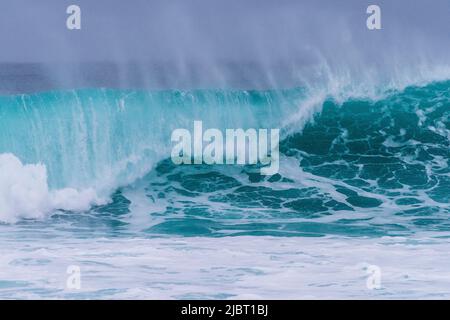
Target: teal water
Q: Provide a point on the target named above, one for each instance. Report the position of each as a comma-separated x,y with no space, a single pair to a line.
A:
86,180
364,167
107,138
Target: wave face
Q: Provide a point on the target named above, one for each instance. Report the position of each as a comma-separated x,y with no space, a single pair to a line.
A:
98,140
360,168
364,167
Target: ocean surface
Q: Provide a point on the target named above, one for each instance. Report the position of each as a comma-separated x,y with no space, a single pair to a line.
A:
86,179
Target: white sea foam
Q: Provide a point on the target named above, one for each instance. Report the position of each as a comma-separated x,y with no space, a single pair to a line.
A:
24,192
232,267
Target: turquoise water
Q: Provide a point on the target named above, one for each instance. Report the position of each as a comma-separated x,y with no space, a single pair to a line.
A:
86,180
364,167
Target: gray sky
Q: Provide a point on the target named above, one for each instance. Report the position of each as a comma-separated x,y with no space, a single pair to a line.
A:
33,30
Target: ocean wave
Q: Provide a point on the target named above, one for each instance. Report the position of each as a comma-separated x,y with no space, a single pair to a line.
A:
84,144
